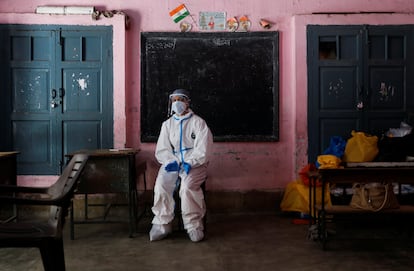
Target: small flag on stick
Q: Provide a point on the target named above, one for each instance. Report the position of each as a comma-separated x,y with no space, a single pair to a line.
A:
179,13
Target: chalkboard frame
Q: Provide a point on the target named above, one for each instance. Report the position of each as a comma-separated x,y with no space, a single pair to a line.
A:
154,96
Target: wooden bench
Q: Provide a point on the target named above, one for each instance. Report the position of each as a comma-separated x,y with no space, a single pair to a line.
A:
346,209
396,173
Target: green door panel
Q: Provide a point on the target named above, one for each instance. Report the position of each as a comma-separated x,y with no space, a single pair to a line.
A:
89,138
82,91
33,139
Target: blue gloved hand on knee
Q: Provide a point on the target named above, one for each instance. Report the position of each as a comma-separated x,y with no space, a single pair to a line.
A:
186,167
173,166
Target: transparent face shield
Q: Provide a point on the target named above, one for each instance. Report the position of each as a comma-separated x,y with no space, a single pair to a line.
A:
173,98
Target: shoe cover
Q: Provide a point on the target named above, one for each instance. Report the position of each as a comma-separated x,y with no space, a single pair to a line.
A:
196,235
159,232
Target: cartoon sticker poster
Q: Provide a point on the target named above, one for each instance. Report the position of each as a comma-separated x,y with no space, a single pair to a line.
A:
212,20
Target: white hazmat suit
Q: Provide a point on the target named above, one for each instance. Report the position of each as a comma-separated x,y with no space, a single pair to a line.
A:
186,140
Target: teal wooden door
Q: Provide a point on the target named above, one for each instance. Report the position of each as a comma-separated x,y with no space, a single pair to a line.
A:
359,78
58,81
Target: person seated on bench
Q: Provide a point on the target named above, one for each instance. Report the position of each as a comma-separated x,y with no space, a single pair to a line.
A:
182,149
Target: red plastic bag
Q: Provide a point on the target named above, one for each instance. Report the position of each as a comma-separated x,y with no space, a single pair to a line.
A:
304,176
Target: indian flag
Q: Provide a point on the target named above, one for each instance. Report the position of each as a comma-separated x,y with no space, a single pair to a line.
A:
179,13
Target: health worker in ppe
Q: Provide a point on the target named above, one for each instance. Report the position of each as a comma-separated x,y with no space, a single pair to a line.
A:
182,149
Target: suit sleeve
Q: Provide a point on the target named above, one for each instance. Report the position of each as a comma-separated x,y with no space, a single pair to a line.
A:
202,145
164,151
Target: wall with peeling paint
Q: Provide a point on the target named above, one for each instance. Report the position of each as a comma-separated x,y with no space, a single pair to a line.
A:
235,166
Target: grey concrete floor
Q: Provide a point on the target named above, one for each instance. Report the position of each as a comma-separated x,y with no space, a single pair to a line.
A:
233,242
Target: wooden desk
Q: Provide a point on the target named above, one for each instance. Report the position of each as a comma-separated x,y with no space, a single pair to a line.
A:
108,171
397,173
8,175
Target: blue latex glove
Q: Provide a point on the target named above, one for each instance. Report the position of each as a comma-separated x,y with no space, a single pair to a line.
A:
186,167
173,166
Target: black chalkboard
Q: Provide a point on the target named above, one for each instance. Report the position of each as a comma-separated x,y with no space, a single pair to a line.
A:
232,78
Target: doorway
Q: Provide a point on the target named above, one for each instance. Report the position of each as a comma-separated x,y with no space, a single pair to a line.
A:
359,78
57,90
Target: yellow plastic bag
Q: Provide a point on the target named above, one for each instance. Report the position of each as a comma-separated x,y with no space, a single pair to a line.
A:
296,197
361,147
328,161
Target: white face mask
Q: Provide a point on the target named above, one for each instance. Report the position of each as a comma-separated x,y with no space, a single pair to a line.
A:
178,107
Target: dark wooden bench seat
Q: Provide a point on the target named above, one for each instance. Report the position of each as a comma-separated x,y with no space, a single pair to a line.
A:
346,209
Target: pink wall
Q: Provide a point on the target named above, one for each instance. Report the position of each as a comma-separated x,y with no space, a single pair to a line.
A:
235,166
